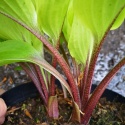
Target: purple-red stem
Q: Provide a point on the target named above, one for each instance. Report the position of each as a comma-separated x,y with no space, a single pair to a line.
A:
54,64
87,87
99,91
41,79
83,84
32,74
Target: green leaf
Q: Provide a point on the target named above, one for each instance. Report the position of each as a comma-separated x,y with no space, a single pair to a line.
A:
11,30
87,22
1,40
98,15
68,21
80,42
51,15
119,20
37,59
73,31
23,10
18,51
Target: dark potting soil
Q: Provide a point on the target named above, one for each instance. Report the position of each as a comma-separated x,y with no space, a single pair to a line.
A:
33,112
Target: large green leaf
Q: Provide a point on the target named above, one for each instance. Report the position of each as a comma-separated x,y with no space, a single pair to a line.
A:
15,51
51,15
98,15
11,52
87,22
23,10
119,20
79,38
11,30
41,15
68,21
80,41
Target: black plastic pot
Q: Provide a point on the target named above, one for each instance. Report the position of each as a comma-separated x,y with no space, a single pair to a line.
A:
111,96
19,94
28,90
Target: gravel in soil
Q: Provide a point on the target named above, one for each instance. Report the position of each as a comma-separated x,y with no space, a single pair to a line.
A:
12,75
33,112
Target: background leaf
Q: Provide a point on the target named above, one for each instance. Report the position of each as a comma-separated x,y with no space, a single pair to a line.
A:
87,22
51,15
99,15
80,42
23,10
119,20
11,30
68,21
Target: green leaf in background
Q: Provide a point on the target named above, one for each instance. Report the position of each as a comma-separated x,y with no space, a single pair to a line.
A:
88,25
119,20
22,10
79,38
98,15
11,30
80,41
68,21
51,15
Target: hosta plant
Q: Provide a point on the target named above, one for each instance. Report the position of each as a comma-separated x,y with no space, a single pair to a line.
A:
28,27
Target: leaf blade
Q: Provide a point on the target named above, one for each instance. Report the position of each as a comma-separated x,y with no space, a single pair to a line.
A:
94,18
22,10
11,52
51,15
119,20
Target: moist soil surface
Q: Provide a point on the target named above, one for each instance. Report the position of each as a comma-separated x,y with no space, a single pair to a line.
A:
33,112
